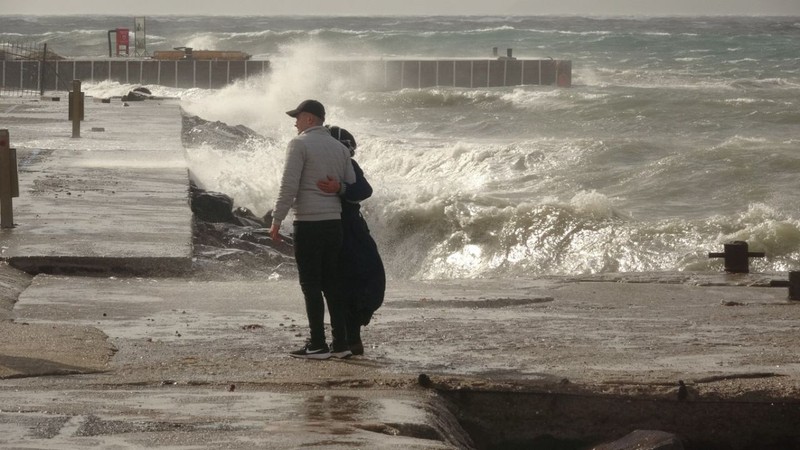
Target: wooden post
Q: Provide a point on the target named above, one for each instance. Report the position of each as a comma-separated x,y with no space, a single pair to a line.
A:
736,256
42,71
76,108
7,189
794,285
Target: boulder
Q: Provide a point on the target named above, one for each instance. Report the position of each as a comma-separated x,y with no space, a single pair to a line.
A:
212,206
137,95
644,440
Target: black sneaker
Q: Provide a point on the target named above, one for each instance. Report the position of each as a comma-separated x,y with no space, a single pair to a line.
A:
311,351
341,353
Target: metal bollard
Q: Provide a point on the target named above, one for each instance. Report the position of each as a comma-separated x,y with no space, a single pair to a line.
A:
794,285
737,257
9,181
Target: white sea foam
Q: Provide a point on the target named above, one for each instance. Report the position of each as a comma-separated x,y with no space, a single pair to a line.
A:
205,41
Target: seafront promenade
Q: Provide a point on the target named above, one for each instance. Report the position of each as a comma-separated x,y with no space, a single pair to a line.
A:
108,338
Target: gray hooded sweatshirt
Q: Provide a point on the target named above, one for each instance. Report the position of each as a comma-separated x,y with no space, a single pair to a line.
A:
312,156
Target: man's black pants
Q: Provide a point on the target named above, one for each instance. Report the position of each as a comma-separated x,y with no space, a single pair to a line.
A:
316,250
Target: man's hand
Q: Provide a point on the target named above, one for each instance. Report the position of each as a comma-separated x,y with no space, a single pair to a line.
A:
274,232
329,186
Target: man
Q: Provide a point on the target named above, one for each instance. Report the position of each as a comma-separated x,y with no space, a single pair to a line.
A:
314,155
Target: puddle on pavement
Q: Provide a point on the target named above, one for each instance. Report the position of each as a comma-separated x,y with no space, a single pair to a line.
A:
492,303
159,417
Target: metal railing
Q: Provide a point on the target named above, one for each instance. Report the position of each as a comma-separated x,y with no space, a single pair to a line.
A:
25,68
365,74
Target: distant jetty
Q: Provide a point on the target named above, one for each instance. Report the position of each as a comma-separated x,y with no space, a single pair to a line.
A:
374,74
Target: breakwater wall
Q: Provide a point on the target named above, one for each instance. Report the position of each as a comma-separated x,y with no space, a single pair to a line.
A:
367,74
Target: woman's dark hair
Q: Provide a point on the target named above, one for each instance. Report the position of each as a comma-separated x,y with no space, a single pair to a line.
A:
343,136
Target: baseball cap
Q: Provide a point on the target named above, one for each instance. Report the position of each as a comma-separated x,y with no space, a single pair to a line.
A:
310,106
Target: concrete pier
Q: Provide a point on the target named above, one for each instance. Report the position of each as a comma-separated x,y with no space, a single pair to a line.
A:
371,74
112,200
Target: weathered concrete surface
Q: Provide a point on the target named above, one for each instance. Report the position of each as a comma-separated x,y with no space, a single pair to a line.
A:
12,283
645,440
113,200
185,339
200,364
723,341
203,417
57,348
51,349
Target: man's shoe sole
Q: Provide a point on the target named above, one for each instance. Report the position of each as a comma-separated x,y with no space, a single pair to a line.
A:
342,355
325,355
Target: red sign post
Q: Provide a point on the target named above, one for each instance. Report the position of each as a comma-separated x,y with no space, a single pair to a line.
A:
123,38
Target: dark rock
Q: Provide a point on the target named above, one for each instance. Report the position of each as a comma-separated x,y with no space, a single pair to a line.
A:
424,380
244,217
137,95
212,206
683,391
230,242
197,131
644,440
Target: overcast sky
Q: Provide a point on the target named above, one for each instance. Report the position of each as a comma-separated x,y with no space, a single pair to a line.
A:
405,7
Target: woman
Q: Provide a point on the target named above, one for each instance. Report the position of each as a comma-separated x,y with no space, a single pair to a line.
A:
362,273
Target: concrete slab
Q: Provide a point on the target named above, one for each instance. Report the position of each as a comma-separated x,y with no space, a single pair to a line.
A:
180,417
112,200
199,365
51,349
12,283
509,331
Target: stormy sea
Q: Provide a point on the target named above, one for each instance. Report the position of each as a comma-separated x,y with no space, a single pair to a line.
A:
679,134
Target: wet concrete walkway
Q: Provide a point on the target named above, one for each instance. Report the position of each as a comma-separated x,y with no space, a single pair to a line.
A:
111,199
159,360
